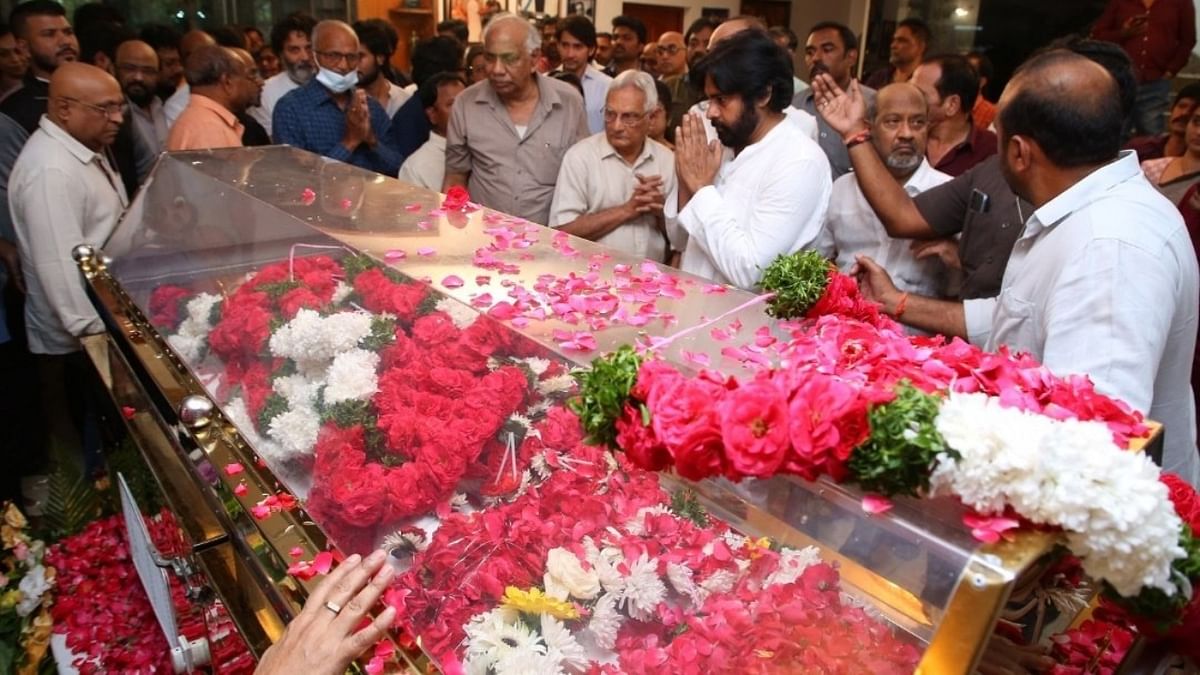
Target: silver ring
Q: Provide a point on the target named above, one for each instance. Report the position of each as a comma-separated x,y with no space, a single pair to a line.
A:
333,607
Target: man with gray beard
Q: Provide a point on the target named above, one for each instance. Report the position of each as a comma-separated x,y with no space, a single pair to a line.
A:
899,129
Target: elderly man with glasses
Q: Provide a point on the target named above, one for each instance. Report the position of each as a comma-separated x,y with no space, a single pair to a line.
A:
612,185
507,136
330,115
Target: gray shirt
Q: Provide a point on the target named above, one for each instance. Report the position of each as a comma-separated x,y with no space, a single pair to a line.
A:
511,171
149,134
829,140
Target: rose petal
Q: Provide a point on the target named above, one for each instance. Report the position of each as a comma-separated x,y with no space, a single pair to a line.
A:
413,208
323,562
260,511
308,196
296,552
426,251
714,289
240,489
452,281
423,225
395,254
233,469
346,204
128,412
876,504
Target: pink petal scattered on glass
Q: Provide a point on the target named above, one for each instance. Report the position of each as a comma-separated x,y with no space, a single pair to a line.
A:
395,254
233,469
413,207
426,251
260,511
296,552
240,489
437,213
323,562
453,281
696,358
876,504
307,197
714,289
423,225
346,204
484,300
482,279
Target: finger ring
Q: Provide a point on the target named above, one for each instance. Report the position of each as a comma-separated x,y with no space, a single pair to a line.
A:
333,607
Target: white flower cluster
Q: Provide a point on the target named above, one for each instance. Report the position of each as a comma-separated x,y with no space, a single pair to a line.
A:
312,340
33,585
1117,515
462,316
499,642
191,340
352,376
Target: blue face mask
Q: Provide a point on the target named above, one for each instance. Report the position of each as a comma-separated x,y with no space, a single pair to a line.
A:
338,84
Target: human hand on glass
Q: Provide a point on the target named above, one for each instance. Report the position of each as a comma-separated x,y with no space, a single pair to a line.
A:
324,639
844,111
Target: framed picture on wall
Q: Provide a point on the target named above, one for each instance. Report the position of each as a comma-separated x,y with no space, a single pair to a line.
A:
584,7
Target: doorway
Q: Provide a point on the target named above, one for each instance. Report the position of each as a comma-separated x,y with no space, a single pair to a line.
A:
658,19
772,12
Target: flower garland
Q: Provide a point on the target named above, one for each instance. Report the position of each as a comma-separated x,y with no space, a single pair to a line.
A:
26,582
807,285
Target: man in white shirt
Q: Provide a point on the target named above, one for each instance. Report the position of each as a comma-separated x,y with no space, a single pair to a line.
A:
291,40
137,71
612,185
898,131
427,166
576,47
770,196
174,106
1103,281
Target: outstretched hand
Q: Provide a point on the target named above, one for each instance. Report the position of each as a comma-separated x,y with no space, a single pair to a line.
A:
844,111
875,283
322,641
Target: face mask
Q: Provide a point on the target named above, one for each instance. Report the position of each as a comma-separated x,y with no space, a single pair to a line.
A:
338,84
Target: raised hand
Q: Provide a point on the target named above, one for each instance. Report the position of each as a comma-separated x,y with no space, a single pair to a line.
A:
697,159
844,111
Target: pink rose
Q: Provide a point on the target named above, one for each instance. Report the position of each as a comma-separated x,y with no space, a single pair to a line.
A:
698,452
638,441
754,428
680,404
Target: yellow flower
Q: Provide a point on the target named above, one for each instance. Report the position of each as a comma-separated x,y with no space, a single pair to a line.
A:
13,516
534,601
755,547
10,599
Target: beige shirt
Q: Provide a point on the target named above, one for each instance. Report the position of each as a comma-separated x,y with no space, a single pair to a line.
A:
511,172
595,177
61,194
427,166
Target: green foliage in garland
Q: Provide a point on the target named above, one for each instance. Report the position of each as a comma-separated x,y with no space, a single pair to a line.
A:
685,505
603,390
383,333
274,406
345,414
1152,603
355,265
278,289
903,445
428,304
797,280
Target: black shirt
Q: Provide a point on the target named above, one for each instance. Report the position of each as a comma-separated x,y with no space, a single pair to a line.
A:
27,104
253,133
409,128
987,236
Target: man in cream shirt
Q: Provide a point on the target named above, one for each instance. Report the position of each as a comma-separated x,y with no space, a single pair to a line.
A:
612,185
427,166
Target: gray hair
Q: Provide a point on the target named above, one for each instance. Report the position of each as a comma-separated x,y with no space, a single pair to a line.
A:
533,38
327,24
636,79
208,64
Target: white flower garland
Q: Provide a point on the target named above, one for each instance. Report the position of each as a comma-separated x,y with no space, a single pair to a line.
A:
352,376
1118,516
312,340
462,316
190,341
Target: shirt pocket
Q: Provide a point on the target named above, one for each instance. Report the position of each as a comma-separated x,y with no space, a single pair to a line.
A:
545,158
1013,324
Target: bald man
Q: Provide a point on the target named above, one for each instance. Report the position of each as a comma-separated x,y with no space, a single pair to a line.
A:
672,55
137,72
223,85
189,43
330,115
899,130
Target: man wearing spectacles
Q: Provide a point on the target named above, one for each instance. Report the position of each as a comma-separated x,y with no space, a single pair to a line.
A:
507,137
137,72
223,84
330,115
672,55
612,185
899,130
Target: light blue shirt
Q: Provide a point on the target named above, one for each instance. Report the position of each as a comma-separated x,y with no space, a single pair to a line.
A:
595,93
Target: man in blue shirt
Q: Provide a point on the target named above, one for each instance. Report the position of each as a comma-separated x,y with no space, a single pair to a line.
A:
330,115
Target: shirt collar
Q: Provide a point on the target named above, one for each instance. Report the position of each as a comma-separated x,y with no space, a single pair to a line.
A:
81,152
1084,192
227,116
547,95
607,150
918,178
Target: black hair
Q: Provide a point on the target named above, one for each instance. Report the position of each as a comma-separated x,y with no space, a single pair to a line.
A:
1073,128
457,27
580,27
700,24
750,64
664,95
208,64
296,22
569,78
428,90
1191,91
632,23
246,30
160,36
849,39
434,55
102,38
21,13
378,36
228,36
777,32
603,34
958,78
94,13
984,66
918,28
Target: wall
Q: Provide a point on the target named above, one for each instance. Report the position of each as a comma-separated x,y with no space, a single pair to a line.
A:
607,9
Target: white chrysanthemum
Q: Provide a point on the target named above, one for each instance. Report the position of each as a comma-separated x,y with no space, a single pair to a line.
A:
493,635
605,622
792,563
539,466
340,292
299,390
32,586
189,348
721,581
562,647
1117,514
462,316
680,577
637,525
604,562
555,385
199,312
269,450
643,589
536,365
312,340
352,376
565,576
295,430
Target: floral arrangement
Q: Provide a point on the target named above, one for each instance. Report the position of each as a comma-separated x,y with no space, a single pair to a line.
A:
805,284
25,584
909,416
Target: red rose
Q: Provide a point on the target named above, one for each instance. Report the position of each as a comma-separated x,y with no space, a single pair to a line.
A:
698,452
451,382
1185,499
405,299
434,329
754,428
375,290
679,403
296,299
561,429
486,337
816,410
166,305
639,443
456,198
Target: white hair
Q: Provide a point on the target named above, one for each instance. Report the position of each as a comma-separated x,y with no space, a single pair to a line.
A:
533,39
327,24
636,79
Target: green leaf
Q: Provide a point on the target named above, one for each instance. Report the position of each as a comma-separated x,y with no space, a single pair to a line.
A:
603,390
279,288
896,459
797,280
355,265
275,406
71,504
1155,605
383,333
685,505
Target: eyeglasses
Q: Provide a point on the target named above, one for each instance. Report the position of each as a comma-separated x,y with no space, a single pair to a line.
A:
508,59
627,119
108,109
670,50
351,58
134,69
